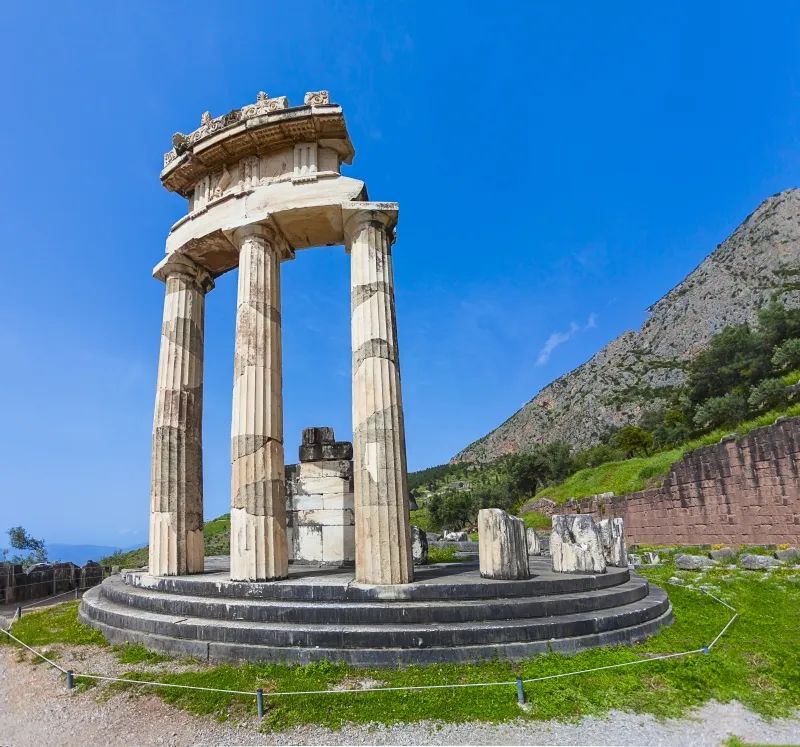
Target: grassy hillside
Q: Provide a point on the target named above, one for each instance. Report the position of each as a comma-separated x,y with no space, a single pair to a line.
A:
630,475
216,532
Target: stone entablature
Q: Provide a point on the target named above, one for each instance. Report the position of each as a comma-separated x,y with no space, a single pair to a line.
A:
266,127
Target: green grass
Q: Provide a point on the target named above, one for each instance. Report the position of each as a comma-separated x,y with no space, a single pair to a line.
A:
537,520
757,663
442,555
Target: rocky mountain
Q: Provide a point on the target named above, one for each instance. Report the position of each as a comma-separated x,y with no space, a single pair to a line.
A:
759,260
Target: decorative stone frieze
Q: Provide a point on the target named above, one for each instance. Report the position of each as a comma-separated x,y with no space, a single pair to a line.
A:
317,98
576,545
502,545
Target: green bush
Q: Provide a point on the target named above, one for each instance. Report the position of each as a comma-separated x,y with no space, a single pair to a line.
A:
767,394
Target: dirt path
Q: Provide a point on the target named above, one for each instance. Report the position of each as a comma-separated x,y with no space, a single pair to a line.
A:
36,709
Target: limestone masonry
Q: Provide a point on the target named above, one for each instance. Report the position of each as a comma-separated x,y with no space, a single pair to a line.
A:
261,183
742,492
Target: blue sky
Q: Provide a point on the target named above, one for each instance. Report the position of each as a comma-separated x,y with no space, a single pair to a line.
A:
559,167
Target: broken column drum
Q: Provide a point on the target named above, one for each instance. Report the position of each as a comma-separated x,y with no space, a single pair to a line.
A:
263,182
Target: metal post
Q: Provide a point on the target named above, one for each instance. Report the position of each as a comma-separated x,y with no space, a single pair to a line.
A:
76,592
260,702
520,692
19,612
70,680
705,650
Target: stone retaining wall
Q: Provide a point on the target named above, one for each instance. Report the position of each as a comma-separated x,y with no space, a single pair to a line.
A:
740,491
18,584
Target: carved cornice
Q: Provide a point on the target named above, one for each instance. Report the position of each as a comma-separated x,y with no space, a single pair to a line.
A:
263,105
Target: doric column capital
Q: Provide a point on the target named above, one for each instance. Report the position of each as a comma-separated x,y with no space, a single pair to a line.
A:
269,232
356,215
182,264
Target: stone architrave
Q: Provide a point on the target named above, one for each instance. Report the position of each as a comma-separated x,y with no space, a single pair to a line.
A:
575,545
534,547
259,549
502,545
612,535
176,485
383,538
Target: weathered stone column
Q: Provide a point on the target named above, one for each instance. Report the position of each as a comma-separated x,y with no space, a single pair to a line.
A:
258,505
383,541
176,485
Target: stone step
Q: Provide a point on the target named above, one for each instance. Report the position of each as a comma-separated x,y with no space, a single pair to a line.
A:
340,636
367,613
432,584
372,657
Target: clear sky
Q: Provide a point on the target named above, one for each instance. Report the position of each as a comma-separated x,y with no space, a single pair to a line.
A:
559,167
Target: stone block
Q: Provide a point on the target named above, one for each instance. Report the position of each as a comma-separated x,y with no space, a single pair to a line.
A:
456,537
502,545
419,546
91,574
693,562
789,555
318,435
724,554
758,562
534,548
612,535
575,545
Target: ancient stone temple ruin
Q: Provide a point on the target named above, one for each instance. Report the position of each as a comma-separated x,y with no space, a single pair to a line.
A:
262,183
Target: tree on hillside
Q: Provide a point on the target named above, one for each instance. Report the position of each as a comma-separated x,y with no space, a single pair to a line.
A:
786,357
20,540
633,440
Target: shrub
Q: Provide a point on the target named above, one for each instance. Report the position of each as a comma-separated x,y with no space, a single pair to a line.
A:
725,410
767,394
787,355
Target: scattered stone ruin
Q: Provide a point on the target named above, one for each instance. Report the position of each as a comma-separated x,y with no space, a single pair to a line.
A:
502,545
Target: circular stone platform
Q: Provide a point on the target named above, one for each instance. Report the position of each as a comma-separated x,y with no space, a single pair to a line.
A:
449,614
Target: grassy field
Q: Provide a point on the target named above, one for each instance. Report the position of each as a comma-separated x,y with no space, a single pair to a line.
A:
757,663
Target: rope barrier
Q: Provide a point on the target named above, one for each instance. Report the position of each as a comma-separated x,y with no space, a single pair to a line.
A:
455,685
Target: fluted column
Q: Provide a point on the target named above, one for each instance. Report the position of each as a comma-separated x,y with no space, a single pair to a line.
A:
258,505
383,541
176,485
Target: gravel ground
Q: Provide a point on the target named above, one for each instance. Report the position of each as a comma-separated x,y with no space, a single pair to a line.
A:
36,709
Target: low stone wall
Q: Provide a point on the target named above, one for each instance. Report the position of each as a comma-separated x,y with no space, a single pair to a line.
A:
18,584
739,492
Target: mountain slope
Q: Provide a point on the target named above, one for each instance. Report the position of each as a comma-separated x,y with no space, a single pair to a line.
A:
759,260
